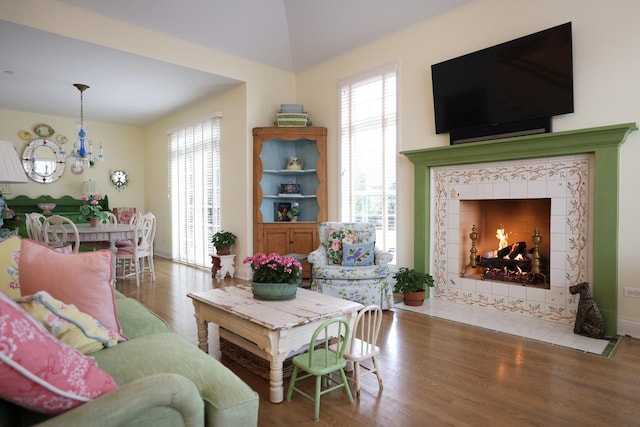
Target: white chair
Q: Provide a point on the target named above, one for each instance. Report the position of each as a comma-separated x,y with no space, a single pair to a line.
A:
108,218
33,224
56,230
133,220
362,344
133,257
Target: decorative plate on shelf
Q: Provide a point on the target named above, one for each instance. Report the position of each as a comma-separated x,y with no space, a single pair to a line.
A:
43,131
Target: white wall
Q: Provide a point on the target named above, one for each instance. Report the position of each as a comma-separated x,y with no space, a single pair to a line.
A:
605,37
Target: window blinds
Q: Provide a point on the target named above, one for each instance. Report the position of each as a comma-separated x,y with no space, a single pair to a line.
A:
194,190
368,153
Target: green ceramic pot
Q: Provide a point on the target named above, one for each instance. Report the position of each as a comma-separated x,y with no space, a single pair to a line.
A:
274,291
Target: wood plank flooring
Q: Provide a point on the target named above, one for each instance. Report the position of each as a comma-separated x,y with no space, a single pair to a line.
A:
435,372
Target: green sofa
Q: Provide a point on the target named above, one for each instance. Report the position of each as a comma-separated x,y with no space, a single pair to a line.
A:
163,380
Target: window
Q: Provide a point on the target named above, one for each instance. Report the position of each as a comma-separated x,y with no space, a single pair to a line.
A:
194,189
368,153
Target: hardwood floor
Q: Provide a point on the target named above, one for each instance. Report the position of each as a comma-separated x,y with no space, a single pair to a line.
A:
435,372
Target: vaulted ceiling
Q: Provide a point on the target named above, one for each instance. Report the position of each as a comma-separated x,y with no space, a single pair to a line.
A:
292,35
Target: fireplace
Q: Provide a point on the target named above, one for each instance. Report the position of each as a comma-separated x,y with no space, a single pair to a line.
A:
507,240
576,170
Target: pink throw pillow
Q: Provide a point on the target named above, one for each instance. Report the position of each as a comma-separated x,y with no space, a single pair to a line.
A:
84,280
40,373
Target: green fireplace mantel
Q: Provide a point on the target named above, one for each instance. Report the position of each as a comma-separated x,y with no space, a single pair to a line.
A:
604,142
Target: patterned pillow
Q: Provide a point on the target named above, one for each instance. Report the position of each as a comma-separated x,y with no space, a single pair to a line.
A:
68,324
40,373
359,254
337,237
9,257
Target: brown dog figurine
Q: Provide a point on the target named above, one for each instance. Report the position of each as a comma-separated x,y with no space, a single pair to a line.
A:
589,321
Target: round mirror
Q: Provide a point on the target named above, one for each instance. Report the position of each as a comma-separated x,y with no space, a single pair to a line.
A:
42,161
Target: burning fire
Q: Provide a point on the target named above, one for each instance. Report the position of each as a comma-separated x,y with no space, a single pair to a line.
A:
502,236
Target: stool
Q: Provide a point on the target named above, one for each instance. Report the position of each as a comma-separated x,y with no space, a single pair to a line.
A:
224,265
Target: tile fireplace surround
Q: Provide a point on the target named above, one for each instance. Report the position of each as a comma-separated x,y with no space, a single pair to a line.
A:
577,170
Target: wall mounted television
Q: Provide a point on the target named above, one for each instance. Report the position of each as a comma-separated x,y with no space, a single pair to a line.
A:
510,89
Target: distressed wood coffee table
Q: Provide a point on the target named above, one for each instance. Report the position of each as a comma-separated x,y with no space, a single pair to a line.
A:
270,329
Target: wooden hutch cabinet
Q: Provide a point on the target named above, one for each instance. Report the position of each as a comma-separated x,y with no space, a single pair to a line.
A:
278,186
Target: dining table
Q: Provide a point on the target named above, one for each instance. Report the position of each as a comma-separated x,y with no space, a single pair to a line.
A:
104,233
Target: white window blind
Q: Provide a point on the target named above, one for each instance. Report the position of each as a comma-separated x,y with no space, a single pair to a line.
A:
194,189
368,153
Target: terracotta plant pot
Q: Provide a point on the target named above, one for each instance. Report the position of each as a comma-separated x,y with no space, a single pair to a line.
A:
414,298
94,222
223,251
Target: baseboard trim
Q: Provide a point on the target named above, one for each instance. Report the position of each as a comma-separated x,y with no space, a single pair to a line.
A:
629,327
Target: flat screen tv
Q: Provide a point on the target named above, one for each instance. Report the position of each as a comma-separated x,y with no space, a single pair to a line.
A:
508,89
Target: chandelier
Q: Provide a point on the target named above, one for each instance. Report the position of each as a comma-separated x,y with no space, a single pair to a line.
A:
83,147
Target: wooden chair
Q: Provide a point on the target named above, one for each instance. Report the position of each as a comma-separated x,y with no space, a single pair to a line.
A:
320,362
130,260
56,230
362,344
33,224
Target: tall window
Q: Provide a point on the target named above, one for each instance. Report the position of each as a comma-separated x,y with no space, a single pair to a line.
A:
194,187
368,153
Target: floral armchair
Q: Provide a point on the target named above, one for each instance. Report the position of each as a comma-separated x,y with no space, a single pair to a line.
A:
348,265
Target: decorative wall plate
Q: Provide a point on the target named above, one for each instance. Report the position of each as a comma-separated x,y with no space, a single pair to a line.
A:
120,179
43,131
25,135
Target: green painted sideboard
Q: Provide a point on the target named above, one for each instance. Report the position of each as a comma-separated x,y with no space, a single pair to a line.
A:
66,206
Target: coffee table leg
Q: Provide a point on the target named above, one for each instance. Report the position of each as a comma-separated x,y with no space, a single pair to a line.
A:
203,335
276,385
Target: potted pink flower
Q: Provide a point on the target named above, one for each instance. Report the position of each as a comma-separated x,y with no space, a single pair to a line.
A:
275,277
91,209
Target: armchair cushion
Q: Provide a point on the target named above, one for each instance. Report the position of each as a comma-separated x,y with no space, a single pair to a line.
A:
339,236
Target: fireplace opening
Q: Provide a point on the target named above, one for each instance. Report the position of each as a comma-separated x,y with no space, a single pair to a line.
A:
506,240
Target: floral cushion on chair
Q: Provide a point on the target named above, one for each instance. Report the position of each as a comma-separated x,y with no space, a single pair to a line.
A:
340,236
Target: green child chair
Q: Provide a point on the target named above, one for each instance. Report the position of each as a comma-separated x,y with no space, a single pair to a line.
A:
319,362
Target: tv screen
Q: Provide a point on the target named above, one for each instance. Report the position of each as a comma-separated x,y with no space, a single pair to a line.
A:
527,78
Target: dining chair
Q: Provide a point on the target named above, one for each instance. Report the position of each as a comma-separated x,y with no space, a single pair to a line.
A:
362,345
108,218
56,230
133,219
320,362
33,224
130,260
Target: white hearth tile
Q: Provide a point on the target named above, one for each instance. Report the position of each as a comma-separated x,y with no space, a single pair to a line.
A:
558,224
556,189
537,189
559,206
468,285
501,190
537,295
469,192
453,207
558,241
517,292
453,223
506,322
483,287
518,190
501,289
484,191
558,260
453,250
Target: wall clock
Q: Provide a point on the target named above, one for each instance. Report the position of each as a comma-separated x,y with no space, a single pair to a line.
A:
119,179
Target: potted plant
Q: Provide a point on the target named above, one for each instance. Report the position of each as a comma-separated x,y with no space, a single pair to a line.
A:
413,284
293,213
275,277
91,209
222,241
